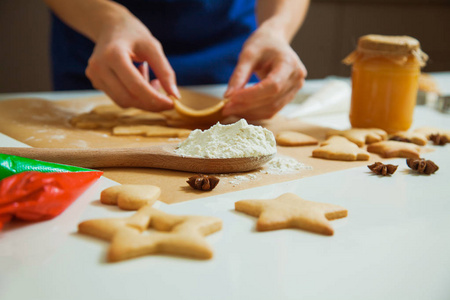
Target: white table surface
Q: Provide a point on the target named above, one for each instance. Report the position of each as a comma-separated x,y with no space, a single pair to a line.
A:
394,244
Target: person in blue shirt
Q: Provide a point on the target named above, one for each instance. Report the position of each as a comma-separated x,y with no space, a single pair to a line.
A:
131,49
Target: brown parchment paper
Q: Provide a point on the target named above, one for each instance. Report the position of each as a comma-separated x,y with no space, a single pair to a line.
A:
45,124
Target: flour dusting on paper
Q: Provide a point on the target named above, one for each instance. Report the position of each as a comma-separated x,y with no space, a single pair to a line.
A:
237,180
281,165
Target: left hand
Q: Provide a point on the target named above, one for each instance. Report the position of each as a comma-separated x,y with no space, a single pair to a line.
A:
278,67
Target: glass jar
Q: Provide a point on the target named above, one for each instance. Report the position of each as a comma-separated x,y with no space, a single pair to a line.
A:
385,75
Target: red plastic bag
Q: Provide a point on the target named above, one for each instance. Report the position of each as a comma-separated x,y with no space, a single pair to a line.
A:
35,196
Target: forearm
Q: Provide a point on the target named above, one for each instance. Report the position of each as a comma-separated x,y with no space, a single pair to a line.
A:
282,16
89,17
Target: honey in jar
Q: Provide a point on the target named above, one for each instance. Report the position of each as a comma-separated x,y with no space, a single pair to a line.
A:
385,76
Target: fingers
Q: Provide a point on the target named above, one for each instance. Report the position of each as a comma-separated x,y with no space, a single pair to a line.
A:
137,85
268,110
284,78
241,73
124,83
143,69
302,69
111,66
154,55
156,84
111,85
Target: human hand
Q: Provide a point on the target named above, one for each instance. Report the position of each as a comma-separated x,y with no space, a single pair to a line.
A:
278,67
111,69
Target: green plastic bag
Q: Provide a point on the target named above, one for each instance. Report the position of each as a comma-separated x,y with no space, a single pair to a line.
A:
10,165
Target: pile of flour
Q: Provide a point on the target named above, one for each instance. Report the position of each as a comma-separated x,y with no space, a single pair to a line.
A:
229,141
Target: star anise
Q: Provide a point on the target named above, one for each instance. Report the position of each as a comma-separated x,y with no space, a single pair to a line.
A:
399,139
438,139
422,166
382,169
203,182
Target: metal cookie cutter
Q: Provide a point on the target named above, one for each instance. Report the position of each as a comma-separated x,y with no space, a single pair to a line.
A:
443,104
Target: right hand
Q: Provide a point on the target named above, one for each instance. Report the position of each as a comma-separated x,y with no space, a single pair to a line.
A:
111,67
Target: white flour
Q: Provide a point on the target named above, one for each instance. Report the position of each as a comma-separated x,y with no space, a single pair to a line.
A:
284,165
58,137
279,165
238,179
229,141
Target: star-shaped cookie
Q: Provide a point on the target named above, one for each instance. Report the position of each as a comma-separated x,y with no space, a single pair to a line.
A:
339,148
361,136
409,137
395,149
291,211
428,131
173,234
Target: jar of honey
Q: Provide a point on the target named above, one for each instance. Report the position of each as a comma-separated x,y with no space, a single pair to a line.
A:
385,75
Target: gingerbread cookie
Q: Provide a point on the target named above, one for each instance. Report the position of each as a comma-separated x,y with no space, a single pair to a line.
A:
409,137
339,148
130,196
428,131
151,131
175,235
291,211
361,136
294,138
395,149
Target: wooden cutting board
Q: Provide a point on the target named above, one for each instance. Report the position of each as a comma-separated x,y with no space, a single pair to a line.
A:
42,123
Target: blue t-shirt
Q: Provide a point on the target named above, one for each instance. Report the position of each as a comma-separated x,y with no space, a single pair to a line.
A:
201,38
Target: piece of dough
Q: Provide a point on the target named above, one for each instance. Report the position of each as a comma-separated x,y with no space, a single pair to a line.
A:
198,107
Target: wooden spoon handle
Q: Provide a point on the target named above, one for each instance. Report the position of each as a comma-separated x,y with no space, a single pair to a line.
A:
97,158
160,156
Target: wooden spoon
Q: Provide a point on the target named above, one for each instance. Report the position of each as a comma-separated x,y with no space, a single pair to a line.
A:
159,156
